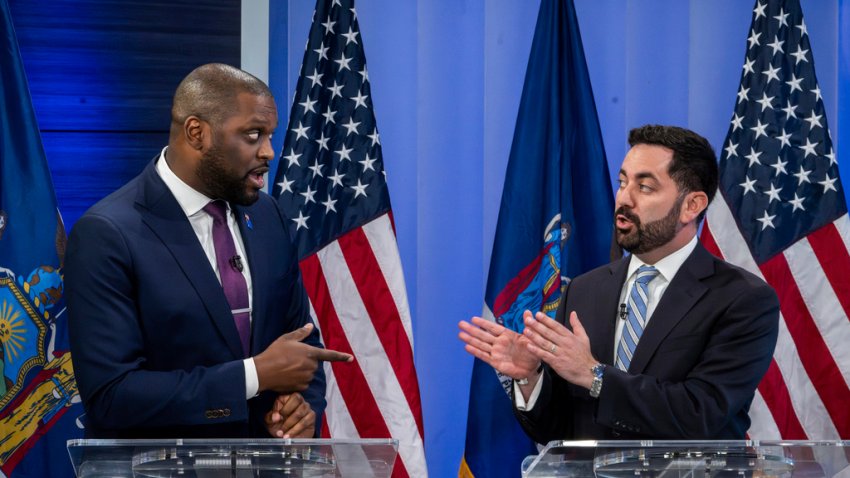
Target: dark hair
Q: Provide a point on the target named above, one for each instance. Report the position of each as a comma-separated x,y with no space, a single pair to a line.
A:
210,90
694,165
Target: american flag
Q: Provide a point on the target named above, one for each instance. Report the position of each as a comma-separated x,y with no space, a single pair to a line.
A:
332,186
782,215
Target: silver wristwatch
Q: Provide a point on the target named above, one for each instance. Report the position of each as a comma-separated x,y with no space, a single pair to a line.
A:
596,386
524,381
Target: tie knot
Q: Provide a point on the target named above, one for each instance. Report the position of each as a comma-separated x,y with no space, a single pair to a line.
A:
217,209
645,274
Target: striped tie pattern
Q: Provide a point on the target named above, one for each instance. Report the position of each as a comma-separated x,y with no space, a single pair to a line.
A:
636,321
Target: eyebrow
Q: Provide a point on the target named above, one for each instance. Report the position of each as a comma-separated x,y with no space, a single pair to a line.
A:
642,175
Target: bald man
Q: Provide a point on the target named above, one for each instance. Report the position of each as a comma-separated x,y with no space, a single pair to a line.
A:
186,310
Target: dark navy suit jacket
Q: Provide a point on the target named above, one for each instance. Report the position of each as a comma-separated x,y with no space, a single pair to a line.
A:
155,349
695,368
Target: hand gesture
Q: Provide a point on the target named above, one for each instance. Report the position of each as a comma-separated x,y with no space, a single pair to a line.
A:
567,352
503,349
288,365
291,417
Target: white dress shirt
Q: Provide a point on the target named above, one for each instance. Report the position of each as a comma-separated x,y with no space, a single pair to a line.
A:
192,203
667,268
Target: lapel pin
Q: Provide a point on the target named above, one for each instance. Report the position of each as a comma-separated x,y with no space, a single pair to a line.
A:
248,221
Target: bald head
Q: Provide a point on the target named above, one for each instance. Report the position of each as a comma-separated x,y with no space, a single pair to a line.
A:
210,91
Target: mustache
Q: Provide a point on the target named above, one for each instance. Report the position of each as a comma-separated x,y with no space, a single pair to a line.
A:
622,211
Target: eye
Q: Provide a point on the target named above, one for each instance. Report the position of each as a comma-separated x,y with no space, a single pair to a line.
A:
622,183
645,188
253,135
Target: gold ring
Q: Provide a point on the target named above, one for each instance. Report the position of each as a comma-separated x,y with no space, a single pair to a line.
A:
552,349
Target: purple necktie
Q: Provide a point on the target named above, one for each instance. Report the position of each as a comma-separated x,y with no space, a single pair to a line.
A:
230,271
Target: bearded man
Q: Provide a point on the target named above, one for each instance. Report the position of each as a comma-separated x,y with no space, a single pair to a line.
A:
669,342
187,315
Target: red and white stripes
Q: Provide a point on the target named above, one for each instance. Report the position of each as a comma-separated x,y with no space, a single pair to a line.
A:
358,299
804,393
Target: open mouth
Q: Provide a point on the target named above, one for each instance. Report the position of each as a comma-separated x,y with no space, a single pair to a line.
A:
257,177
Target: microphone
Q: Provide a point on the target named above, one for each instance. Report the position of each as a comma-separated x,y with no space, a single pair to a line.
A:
236,263
622,310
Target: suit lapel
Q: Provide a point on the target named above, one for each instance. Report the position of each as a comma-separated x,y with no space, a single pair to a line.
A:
684,291
162,213
601,329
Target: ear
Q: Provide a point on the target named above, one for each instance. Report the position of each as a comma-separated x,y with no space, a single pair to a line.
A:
197,132
694,203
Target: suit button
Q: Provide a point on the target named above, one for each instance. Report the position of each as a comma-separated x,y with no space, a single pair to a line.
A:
225,412
616,433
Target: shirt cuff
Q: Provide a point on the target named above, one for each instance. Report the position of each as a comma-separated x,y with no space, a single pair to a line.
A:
520,402
252,382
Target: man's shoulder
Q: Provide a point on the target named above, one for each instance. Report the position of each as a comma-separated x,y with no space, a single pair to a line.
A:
731,275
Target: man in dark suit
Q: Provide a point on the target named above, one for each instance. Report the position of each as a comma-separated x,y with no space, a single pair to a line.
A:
186,310
667,343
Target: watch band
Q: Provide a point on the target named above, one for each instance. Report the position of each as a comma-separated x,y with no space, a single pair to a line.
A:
524,381
598,371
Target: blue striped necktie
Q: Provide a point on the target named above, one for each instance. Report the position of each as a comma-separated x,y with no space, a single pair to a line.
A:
636,321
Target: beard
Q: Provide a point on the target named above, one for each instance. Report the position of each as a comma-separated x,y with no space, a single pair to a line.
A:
222,182
652,235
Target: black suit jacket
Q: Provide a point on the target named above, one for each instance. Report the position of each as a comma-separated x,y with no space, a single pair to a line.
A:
695,368
155,349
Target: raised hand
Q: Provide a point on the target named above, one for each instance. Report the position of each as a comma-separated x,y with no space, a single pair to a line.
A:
567,352
291,417
288,365
501,348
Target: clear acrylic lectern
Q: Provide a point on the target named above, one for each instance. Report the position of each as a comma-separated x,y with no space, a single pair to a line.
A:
690,459
232,458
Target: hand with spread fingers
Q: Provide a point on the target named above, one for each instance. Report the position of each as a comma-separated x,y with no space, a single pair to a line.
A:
291,417
501,348
566,352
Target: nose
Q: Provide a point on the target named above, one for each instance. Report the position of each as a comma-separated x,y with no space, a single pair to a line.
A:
266,151
624,197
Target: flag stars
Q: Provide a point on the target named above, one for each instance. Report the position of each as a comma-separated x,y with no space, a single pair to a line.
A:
779,166
365,74
731,149
344,153
322,141
765,102
754,39
742,94
816,91
301,221
308,105
771,73
814,120
308,195
368,163
828,183
766,221
300,131
343,62
351,126
802,27
794,83
748,185
753,157
773,193
737,122
748,66
322,51
782,17
336,90
800,55
831,157
359,189
329,26
759,129
790,110
285,185
759,10
784,138
797,203
777,45
336,179
329,205
329,115
360,100
316,78
809,148
375,137
803,176
292,158
351,36
317,169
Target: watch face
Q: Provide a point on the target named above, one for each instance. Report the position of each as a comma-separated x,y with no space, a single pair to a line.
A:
598,370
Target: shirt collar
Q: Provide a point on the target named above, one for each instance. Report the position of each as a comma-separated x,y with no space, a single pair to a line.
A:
190,200
667,266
